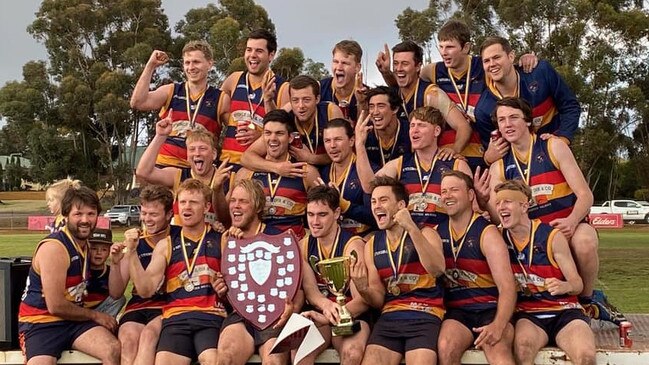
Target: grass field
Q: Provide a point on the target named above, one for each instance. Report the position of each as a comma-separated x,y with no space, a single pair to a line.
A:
624,263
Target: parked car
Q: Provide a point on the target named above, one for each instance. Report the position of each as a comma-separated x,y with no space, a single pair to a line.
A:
631,210
124,214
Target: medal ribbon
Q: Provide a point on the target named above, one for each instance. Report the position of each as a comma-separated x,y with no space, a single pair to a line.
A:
456,249
464,101
82,253
394,143
533,228
253,111
271,187
321,250
395,268
492,86
414,97
312,148
192,118
190,266
424,186
332,175
526,176
347,99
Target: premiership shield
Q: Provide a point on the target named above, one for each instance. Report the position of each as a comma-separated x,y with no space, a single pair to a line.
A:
261,272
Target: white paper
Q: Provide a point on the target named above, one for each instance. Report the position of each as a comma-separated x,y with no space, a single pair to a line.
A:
299,333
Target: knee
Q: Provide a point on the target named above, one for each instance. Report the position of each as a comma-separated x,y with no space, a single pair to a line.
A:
584,357
149,336
352,355
447,351
524,349
128,338
114,348
584,244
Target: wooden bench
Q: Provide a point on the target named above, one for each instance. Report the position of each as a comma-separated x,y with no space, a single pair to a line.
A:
547,356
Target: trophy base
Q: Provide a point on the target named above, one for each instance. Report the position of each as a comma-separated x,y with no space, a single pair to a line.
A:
346,329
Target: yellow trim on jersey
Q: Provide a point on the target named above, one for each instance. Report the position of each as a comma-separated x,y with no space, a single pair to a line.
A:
550,253
399,166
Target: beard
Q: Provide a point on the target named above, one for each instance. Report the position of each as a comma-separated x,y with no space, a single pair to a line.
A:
74,230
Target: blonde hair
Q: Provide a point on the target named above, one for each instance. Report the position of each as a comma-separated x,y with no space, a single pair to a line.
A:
256,192
195,185
57,190
428,114
202,46
200,135
515,185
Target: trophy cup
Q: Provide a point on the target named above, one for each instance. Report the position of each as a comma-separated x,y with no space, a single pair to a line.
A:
335,272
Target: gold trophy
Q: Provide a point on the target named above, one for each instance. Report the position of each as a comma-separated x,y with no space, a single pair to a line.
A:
335,272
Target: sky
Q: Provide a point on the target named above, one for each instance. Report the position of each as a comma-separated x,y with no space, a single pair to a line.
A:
314,26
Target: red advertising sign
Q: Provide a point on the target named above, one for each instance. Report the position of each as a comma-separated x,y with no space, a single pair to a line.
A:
606,220
42,222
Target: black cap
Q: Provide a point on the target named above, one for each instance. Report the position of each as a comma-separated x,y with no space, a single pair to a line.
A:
101,236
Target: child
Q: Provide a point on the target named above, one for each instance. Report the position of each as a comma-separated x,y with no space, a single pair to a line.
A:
98,297
53,196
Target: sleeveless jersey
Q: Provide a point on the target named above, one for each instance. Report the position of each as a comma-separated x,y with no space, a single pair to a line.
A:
420,294
246,106
466,100
425,208
313,140
144,252
354,202
97,287
202,298
205,115
328,93
553,197
379,154
415,100
56,225
555,108
285,206
182,175
532,264
312,250
33,308
468,283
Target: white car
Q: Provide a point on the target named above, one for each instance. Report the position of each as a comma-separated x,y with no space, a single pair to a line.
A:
124,214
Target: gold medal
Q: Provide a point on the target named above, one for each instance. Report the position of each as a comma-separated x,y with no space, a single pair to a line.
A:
394,290
189,286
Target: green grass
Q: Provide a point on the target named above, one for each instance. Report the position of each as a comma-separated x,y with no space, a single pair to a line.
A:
24,206
623,254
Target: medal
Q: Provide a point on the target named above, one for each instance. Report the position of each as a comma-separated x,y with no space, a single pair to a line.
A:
421,204
394,290
251,96
189,286
525,173
192,107
273,184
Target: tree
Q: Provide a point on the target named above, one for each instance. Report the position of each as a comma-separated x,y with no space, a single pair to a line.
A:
96,50
225,27
289,62
317,70
418,26
600,49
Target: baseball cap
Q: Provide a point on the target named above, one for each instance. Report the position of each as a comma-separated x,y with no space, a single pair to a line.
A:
101,235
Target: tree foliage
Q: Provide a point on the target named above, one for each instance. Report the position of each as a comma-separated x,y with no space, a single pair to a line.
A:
71,115
599,47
